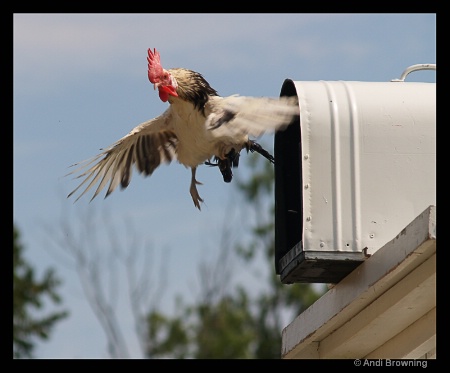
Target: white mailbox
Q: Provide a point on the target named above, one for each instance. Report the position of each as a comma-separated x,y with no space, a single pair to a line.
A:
355,168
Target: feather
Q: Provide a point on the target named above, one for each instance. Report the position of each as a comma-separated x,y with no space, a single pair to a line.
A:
253,116
146,146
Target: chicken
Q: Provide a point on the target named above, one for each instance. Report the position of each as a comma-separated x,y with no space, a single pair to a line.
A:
199,127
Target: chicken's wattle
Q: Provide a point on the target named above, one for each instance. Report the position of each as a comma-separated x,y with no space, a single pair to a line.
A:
165,91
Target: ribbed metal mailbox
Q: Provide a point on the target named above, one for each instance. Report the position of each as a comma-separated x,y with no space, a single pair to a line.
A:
355,168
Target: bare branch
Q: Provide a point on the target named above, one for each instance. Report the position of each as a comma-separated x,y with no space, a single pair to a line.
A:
92,247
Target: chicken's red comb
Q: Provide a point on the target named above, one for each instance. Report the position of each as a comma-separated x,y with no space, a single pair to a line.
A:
155,69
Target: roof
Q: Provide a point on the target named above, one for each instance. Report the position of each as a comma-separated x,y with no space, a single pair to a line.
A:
385,308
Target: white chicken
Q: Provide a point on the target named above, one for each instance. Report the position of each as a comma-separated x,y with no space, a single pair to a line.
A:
198,127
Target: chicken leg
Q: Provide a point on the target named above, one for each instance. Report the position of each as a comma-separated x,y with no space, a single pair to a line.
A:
193,189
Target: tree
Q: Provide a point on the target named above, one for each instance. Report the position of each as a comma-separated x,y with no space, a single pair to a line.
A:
234,324
28,296
279,299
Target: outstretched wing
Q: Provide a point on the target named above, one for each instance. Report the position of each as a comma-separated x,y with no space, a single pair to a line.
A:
146,146
246,115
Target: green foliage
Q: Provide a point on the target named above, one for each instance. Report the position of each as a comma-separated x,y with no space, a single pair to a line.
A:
167,337
28,293
225,330
204,331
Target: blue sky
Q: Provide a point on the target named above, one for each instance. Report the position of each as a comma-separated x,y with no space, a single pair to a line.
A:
80,84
